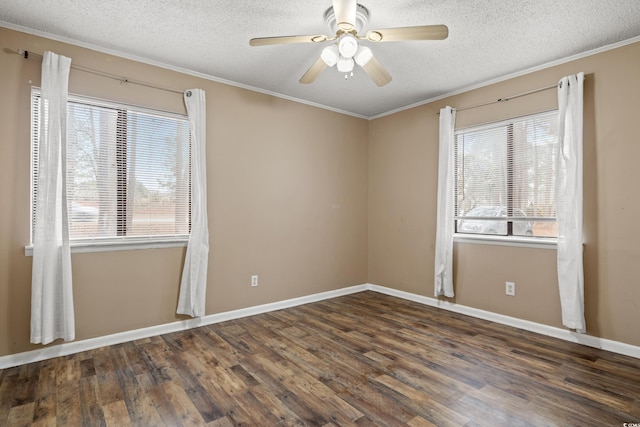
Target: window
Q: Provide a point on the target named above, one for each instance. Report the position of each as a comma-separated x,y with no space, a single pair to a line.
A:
505,177
128,171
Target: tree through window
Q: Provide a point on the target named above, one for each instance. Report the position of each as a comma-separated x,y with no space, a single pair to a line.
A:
505,177
128,170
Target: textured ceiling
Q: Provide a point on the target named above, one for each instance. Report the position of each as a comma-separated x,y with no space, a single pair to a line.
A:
488,39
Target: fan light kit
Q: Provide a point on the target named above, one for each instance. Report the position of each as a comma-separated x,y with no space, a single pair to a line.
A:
346,18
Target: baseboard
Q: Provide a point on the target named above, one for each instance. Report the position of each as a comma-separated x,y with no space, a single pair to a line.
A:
68,348
563,334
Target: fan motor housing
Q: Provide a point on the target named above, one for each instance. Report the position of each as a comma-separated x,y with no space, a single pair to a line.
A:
362,16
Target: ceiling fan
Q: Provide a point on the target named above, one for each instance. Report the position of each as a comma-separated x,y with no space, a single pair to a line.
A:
346,18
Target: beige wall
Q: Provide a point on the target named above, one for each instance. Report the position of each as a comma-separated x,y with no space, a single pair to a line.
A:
287,199
403,151
314,201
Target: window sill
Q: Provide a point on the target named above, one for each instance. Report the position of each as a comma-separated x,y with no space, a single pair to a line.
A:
523,242
110,245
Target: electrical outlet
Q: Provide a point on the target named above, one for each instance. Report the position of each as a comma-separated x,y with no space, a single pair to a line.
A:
254,280
510,289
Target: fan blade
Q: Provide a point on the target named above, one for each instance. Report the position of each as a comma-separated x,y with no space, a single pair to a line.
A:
422,32
345,11
377,72
262,41
312,73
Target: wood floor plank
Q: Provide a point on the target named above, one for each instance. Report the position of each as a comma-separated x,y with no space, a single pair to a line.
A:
90,408
182,404
225,353
47,422
136,362
166,410
372,400
248,411
365,359
256,410
484,414
109,389
275,406
46,405
141,409
510,403
68,404
87,368
420,422
198,394
116,414
68,369
304,384
421,403
221,422
21,415
25,391
8,387
271,377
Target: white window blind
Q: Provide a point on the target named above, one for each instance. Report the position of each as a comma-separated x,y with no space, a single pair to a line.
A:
505,179
128,170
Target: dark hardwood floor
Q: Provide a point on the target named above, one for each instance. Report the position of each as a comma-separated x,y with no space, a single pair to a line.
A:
364,359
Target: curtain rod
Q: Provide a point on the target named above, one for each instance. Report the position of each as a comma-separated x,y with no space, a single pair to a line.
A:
507,98
123,80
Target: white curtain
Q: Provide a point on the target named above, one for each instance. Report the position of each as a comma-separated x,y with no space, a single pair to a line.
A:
52,315
444,219
569,201
193,286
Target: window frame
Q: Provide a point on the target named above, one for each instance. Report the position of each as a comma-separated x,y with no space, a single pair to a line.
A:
112,243
545,242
